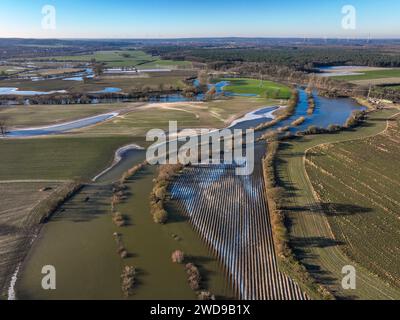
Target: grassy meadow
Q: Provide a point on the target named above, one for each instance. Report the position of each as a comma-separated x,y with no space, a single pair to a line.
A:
263,88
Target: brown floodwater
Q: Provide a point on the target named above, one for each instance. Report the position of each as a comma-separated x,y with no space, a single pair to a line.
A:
79,242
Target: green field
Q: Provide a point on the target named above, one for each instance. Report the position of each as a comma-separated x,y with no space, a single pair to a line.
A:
126,58
57,158
266,89
394,87
370,75
310,232
360,183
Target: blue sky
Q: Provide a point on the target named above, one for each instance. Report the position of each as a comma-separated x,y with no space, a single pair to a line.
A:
204,18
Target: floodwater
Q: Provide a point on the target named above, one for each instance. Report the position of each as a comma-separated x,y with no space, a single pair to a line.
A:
17,92
108,90
60,128
335,71
327,111
79,241
174,97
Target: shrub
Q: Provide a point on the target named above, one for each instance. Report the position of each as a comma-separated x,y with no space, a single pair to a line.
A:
298,121
311,104
128,280
118,219
159,193
355,119
194,277
160,216
312,130
178,256
131,172
287,112
123,253
206,295
334,128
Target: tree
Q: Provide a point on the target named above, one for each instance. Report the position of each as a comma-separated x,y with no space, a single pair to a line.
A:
160,216
3,126
98,69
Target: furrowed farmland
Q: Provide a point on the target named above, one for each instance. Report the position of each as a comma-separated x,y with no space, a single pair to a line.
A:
322,251
230,213
358,186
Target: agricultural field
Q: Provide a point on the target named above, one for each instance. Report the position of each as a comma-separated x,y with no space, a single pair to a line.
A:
263,88
40,115
374,77
374,74
310,230
17,221
123,58
58,158
358,185
237,228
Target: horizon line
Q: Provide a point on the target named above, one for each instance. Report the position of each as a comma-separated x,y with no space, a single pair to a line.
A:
203,37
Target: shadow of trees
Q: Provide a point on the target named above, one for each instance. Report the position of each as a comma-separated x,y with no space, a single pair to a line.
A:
330,209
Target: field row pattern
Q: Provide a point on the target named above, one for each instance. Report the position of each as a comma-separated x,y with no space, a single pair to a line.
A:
231,215
359,183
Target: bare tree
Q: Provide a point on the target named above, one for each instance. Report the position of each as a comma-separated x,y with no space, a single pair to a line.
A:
3,126
98,69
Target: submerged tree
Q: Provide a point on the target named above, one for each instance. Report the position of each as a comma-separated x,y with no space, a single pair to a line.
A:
178,256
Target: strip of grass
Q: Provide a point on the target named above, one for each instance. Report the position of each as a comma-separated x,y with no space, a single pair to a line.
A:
394,87
57,158
310,233
263,88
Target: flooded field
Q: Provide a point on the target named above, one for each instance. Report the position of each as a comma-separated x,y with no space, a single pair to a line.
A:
93,267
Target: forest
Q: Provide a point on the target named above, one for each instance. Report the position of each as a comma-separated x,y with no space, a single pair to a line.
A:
299,57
